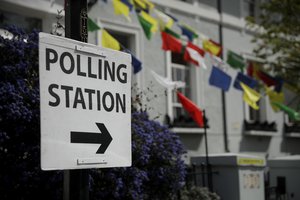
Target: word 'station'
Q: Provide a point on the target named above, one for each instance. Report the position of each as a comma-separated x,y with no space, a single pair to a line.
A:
86,98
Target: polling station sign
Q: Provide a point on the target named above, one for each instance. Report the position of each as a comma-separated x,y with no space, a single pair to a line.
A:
85,103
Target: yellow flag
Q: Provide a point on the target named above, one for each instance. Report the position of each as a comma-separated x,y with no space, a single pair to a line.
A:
149,4
164,20
121,9
144,4
250,96
211,47
274,97
141,4
151,20
109,41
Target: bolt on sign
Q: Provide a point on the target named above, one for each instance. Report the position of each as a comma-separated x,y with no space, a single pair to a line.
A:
85,100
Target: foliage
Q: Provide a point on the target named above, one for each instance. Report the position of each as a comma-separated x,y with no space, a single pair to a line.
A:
21,177
277,37
157,170
198,193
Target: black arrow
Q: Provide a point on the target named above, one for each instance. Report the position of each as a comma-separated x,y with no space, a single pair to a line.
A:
93,138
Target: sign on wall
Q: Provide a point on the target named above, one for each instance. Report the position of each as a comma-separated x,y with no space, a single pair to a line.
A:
85,99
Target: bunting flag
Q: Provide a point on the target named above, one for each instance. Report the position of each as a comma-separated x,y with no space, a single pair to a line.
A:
164,20
136,63
294,115
171,32
212,47
167,83
92,26
174,18
144,5
274,97
194,54
149,24
170,43
247,80
192,109
254,71
235,61
189,32
220,79
217,61
251,97
109,41
121,9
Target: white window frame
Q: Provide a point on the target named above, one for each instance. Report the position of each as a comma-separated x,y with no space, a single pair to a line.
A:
197,92
130,29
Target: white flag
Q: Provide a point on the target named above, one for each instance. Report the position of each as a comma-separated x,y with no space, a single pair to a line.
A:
167,82
197,57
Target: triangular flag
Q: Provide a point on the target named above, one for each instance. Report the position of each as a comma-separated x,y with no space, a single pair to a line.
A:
149,24
136,63
170,43
235,61
274,97
121,9
109,41
189,32
194,56
251,97
292,113
167,82
164,20
219,79
212,47
192,109
92,26
247,80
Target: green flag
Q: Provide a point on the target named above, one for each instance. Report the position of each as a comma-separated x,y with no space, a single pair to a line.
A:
292,113
235,61
171,32
92,26
146,27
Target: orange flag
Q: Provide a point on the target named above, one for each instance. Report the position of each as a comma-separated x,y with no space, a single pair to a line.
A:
192,109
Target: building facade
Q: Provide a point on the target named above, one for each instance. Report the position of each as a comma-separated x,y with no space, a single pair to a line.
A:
230,121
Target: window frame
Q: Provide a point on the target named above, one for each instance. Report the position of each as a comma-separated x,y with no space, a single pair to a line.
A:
197,93
128,29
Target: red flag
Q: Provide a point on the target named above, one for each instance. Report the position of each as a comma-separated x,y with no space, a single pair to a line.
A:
170,43
192,109
188,58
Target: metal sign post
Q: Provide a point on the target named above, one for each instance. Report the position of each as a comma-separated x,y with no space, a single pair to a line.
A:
76,28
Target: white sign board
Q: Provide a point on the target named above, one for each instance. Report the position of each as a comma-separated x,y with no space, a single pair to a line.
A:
85,99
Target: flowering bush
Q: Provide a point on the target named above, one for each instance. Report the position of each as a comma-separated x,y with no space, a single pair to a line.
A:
157,171
21,177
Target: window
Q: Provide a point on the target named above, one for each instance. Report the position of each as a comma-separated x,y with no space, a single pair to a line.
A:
257,120
128,36
291,127
249,8
179,70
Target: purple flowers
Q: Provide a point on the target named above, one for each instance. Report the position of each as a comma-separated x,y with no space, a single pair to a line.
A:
157,171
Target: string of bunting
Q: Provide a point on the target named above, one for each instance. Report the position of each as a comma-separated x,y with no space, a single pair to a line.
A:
187,44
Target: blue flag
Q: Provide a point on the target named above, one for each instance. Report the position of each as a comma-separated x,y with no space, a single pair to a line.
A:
187,32
247,80
220,79
136,64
